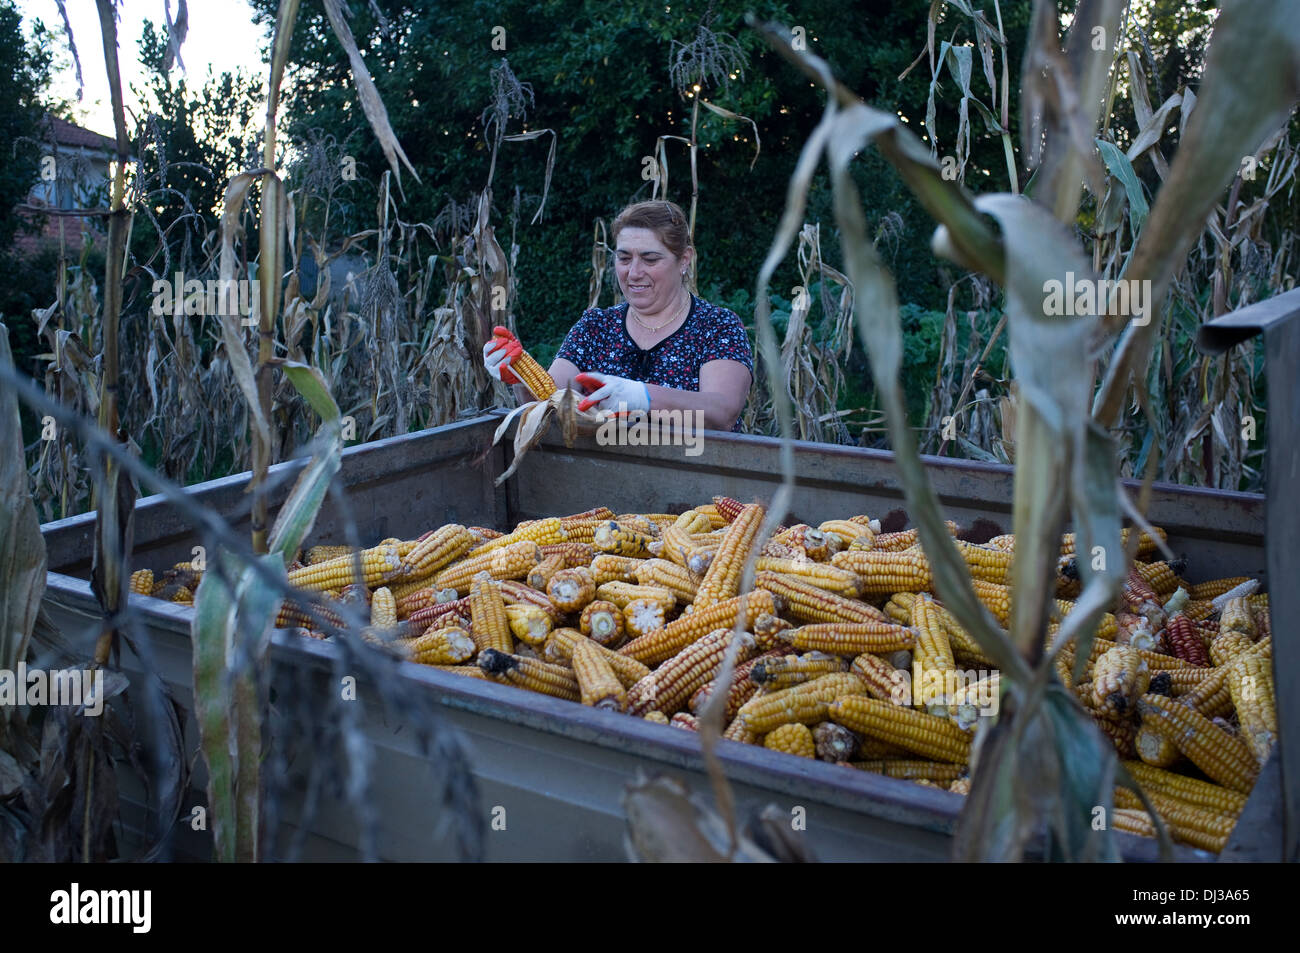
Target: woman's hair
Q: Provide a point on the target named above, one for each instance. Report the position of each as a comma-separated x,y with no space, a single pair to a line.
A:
665,219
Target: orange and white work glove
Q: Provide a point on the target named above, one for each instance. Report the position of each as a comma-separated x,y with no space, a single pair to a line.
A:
497,355
612,394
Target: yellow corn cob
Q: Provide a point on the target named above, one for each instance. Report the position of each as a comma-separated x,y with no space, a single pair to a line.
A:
183,596
1222,757
1211,697
722,580
383,609
667,575
884,572
641,616
1205,591
800,599
469,671
142,582
611,537
662,644
693,521
931,736
996,598
1227,645
986,563
964,647
847,530
786,671
1122,734
1119,678
559,649
1238,617
851,638
1193,825
1160,576
891,542
1250,683
596,680
960,786
544,532
795,739
510,562
1191,791
1156,661
971,701
445,645
606,567
541,574
514,592
571,589
677,679
489,624
767,629
1183,680
379,565
841,582
533,375
658,717
716,519
1107,628
806,703
883,681
684,550
320,554
898,611
623,594
932,659
441,548
581,530
528,623
909,770
602,622
532,674
1146,545
1007,542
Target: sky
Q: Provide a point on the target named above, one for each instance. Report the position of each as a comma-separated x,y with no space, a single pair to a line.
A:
222,36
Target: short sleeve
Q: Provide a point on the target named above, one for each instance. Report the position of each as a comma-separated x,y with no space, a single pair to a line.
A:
727,340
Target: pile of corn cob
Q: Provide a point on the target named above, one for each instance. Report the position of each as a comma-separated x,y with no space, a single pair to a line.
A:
633,613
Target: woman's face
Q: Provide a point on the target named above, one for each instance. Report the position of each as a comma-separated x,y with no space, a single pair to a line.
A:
649,275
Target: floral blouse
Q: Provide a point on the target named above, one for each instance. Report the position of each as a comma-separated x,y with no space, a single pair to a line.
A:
600,342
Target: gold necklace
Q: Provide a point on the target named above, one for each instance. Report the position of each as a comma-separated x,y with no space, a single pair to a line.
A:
658,327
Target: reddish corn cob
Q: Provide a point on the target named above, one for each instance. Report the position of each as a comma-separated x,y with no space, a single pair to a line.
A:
793,739
883,681
834,742
490,627
571,589
1184,642
851,638
728,507
931,736
559,649
515,592
606,567
421,598
422,618
541,574
534,675
802,601
482,534
741,689
667,575
599,687
690,669
684,720
722,580
806,703
663,644
1222,757
602,622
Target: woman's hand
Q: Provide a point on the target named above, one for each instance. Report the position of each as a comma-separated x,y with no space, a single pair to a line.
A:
612,393
497,355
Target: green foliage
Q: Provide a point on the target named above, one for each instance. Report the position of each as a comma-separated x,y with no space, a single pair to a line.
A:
24,77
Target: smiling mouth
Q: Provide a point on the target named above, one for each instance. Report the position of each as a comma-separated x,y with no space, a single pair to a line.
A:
638,287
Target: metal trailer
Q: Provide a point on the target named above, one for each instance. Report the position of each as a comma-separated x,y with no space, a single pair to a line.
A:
558,768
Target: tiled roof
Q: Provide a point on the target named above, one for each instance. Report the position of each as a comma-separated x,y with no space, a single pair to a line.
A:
70,134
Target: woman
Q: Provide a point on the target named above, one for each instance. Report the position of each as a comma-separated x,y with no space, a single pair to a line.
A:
663,348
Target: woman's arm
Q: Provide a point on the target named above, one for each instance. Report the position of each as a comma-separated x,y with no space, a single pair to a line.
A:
724,385
563,372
